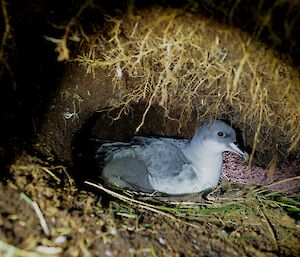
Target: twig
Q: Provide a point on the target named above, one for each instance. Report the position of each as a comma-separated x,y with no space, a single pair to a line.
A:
259,190
38,212
141,204
269,225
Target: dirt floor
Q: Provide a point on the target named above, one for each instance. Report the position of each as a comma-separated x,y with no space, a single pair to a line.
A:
52,202
44,214
81,220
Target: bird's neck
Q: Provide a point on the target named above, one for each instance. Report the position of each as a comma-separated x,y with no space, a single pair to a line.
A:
207,164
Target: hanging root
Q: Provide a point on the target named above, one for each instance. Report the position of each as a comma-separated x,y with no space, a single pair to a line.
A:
164,59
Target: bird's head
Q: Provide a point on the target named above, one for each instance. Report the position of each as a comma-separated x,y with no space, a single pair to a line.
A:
218,137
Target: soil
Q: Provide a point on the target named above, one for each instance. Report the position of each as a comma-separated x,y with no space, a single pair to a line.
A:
56,115
87,222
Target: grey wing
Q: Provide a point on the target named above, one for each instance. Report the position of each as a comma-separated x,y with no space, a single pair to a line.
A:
163,159
121,167
113,150
128,173
148,140
129,165
180,143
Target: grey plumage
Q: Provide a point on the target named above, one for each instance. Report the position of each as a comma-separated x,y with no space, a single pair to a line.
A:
128,173
173,166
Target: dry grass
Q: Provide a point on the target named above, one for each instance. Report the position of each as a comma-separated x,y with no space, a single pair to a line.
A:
226,204
187,64
225,199
236,217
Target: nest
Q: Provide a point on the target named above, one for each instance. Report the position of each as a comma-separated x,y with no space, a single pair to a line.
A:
191,65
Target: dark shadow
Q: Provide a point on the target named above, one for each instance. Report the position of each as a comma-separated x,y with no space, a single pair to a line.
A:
35,75
101,127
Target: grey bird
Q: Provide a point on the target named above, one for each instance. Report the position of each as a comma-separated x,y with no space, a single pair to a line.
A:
172,166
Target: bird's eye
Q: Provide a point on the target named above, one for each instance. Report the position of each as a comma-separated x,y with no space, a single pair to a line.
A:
220,134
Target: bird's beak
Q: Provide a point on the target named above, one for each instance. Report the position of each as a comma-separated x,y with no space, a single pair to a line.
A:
235,149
